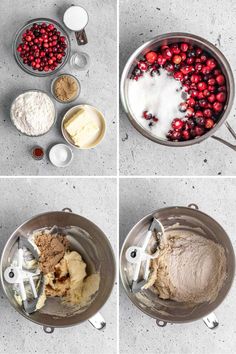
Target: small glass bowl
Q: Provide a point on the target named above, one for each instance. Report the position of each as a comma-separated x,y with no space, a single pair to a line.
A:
58,99
55,113
18,40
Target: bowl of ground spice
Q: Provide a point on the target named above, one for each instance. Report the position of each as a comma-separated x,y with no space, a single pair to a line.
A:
65,88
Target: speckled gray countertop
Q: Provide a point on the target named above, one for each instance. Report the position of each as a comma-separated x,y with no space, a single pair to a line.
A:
138,332
214,20
94,199
98,87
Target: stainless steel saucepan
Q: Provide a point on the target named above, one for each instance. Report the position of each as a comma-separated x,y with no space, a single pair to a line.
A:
165,311
166,39
84,237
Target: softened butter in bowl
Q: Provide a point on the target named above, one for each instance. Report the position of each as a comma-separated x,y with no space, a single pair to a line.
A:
83,126
65,88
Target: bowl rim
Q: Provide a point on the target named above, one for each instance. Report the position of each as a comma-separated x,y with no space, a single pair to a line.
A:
208,47
22,65
53,83
55,112
149,215
65,135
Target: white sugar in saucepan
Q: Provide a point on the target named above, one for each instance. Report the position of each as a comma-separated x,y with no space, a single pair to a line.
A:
159,95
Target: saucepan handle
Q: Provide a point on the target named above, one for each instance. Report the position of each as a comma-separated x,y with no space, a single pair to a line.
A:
67,210
161,323
225,142
193,206
211,321
48,330
97,321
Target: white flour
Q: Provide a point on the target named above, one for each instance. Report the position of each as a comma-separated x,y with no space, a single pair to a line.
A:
160,96
33,113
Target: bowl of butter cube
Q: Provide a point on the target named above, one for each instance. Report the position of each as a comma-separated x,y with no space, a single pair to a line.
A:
83,126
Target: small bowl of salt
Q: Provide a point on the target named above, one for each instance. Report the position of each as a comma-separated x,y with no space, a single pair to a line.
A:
60,155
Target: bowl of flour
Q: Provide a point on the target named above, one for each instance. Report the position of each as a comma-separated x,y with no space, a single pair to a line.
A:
33,113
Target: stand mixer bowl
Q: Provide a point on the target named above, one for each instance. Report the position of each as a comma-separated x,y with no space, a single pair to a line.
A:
168,310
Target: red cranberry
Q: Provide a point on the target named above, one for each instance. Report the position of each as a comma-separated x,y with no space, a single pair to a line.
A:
186,69
183,106
141,65
151,56
176,59
147,115
169,67
195,78
211,98
50,27
203,103
160,60
211,88
207,113
206,70
211,81
177,124
175,49
167,53
183,56
178,76
220,79
200,121
217,106
190,112
222,88
211,63
199,131
185,135
190,61
194,93
191,102
175,135
206,93
198,51
201,86
209,123
184,47
203,58
199,114
221,97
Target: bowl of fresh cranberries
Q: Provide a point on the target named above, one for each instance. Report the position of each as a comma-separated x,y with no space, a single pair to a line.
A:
177,89
41,47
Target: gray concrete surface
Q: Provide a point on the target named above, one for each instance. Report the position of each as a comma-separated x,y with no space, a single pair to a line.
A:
138,332
214,20
22,199
98,86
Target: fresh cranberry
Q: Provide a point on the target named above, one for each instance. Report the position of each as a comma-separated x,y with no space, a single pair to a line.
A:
209,123
177,59
201,86
199,131
211,63
206,70
151,56
203,58
175,49
211,81
147,115
185,135
220,79
160,60
190,112
195,78
211,98
190,60
175,135
200,121
199,114
207,112
187,69
177,124
178,76
222,88
203,103
183,56
167,53
184,47
183,106
191,102
194,93
217,106
221,97
142,65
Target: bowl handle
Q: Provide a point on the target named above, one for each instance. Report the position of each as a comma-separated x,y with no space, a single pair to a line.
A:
211,321
232,132
97,321
48,330
67,210
161,323
193,206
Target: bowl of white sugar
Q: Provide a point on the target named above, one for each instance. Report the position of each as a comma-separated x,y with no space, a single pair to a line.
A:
33,113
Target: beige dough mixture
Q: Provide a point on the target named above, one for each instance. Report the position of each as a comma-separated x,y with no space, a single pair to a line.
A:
189,268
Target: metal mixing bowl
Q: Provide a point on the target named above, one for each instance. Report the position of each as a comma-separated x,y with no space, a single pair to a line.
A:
167,39
84,237
168,310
